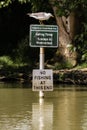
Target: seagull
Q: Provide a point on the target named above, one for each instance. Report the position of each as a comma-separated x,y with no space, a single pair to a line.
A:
41,16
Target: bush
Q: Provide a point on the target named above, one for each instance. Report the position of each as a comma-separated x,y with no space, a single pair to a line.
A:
5,61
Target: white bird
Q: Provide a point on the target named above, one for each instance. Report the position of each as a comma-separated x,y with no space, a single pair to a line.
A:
41,16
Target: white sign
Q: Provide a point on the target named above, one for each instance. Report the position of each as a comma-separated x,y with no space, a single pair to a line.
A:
42,80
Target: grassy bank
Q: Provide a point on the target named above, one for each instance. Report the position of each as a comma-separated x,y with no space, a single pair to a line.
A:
18,71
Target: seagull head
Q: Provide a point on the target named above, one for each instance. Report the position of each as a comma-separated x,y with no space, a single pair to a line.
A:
50,15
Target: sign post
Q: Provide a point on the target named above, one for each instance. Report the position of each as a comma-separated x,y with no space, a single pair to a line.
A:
43,36
41,93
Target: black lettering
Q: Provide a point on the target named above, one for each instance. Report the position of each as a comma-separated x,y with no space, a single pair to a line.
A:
42,82
43,72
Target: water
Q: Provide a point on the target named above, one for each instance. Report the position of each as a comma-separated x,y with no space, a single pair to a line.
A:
62,109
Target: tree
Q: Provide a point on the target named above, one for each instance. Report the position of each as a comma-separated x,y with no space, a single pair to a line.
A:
66,21
68,15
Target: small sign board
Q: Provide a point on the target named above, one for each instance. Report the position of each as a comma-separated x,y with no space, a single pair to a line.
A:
44,36
42,80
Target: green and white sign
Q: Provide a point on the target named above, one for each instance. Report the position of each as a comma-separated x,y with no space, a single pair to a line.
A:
43,36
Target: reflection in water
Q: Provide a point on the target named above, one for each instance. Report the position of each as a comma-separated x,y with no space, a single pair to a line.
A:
70,111
42,117
84,115
15,112
21,109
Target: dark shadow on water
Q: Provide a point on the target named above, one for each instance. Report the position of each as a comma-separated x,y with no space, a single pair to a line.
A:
57,87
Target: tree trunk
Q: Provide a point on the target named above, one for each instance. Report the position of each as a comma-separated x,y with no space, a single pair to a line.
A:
67,31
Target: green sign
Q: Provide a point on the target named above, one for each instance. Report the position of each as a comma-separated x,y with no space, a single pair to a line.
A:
43,36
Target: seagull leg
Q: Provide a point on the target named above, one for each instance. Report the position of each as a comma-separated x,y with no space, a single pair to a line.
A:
40,22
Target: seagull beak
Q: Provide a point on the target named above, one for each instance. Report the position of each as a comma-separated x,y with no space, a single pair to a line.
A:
52,16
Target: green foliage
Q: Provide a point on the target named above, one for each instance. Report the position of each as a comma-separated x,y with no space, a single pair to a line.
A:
35,4
65,7
5,61
5,3
81,43
63,65
40,5
24,53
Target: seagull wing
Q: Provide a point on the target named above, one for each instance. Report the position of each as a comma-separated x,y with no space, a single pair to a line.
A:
39,16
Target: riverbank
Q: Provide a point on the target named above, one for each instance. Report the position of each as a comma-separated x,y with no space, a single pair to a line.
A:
65,76
71,76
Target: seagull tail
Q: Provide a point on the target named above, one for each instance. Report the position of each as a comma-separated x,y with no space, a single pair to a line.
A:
28,14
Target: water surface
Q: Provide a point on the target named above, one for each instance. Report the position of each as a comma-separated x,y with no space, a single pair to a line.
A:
62,109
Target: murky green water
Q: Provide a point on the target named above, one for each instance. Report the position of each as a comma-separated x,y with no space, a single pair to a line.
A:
21,109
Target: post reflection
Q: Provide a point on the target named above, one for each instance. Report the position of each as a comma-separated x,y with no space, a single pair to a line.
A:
20,109
42,115
70,111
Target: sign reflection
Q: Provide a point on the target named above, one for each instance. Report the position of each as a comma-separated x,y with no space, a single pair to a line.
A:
42,115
